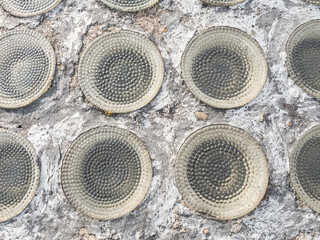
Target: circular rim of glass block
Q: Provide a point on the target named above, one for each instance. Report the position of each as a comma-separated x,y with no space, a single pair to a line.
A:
261,68
158,73
20,13
295,183
137,8
222,2
258,182
123,207
48,49
11,213
294,38
312,2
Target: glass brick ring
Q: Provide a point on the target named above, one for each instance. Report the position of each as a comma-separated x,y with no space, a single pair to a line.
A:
19,174
106,172
28,8
222,172
27,66
305,168
224,67
121,72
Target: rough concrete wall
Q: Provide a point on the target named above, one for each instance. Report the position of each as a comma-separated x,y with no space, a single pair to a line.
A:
58,117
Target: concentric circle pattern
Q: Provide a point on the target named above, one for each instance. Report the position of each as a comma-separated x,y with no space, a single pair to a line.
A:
303,57
106,172
223,2
130,5
19,174
221,171
28,8
305,168
224,67
121,72
27,66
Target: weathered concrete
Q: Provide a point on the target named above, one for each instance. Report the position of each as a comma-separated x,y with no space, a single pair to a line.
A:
280,114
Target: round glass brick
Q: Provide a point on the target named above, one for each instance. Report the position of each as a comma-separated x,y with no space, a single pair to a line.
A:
222,172
224,67
106,173
303,57
19,174
28,8
305,168
121,72
27,66
223,2
316,2
130,5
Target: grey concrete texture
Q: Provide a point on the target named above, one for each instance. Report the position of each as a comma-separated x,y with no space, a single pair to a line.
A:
276,119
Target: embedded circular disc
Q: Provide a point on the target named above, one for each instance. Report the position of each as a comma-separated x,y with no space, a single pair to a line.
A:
106,172
303,57
305,168
130,5
223,2
27,66
19,174
221,171
224,67
28,8
316,2
121,72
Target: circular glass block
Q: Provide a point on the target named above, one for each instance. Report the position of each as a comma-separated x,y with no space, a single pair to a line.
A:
106,173
130,5
305,168
303,57
121,72
223,2
221,171
19,174
224,67
28,8
316,2
27,66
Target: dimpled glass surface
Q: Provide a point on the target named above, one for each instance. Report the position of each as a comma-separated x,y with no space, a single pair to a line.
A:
27,65
224,67
223,2
130,5
19,174
305,168
317,2
28,8
222,165
121,72
106,173
222,172
303,57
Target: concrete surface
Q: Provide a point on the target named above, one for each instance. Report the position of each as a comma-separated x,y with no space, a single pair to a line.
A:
276,118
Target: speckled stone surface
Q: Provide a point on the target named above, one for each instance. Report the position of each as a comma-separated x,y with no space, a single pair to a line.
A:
276,118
